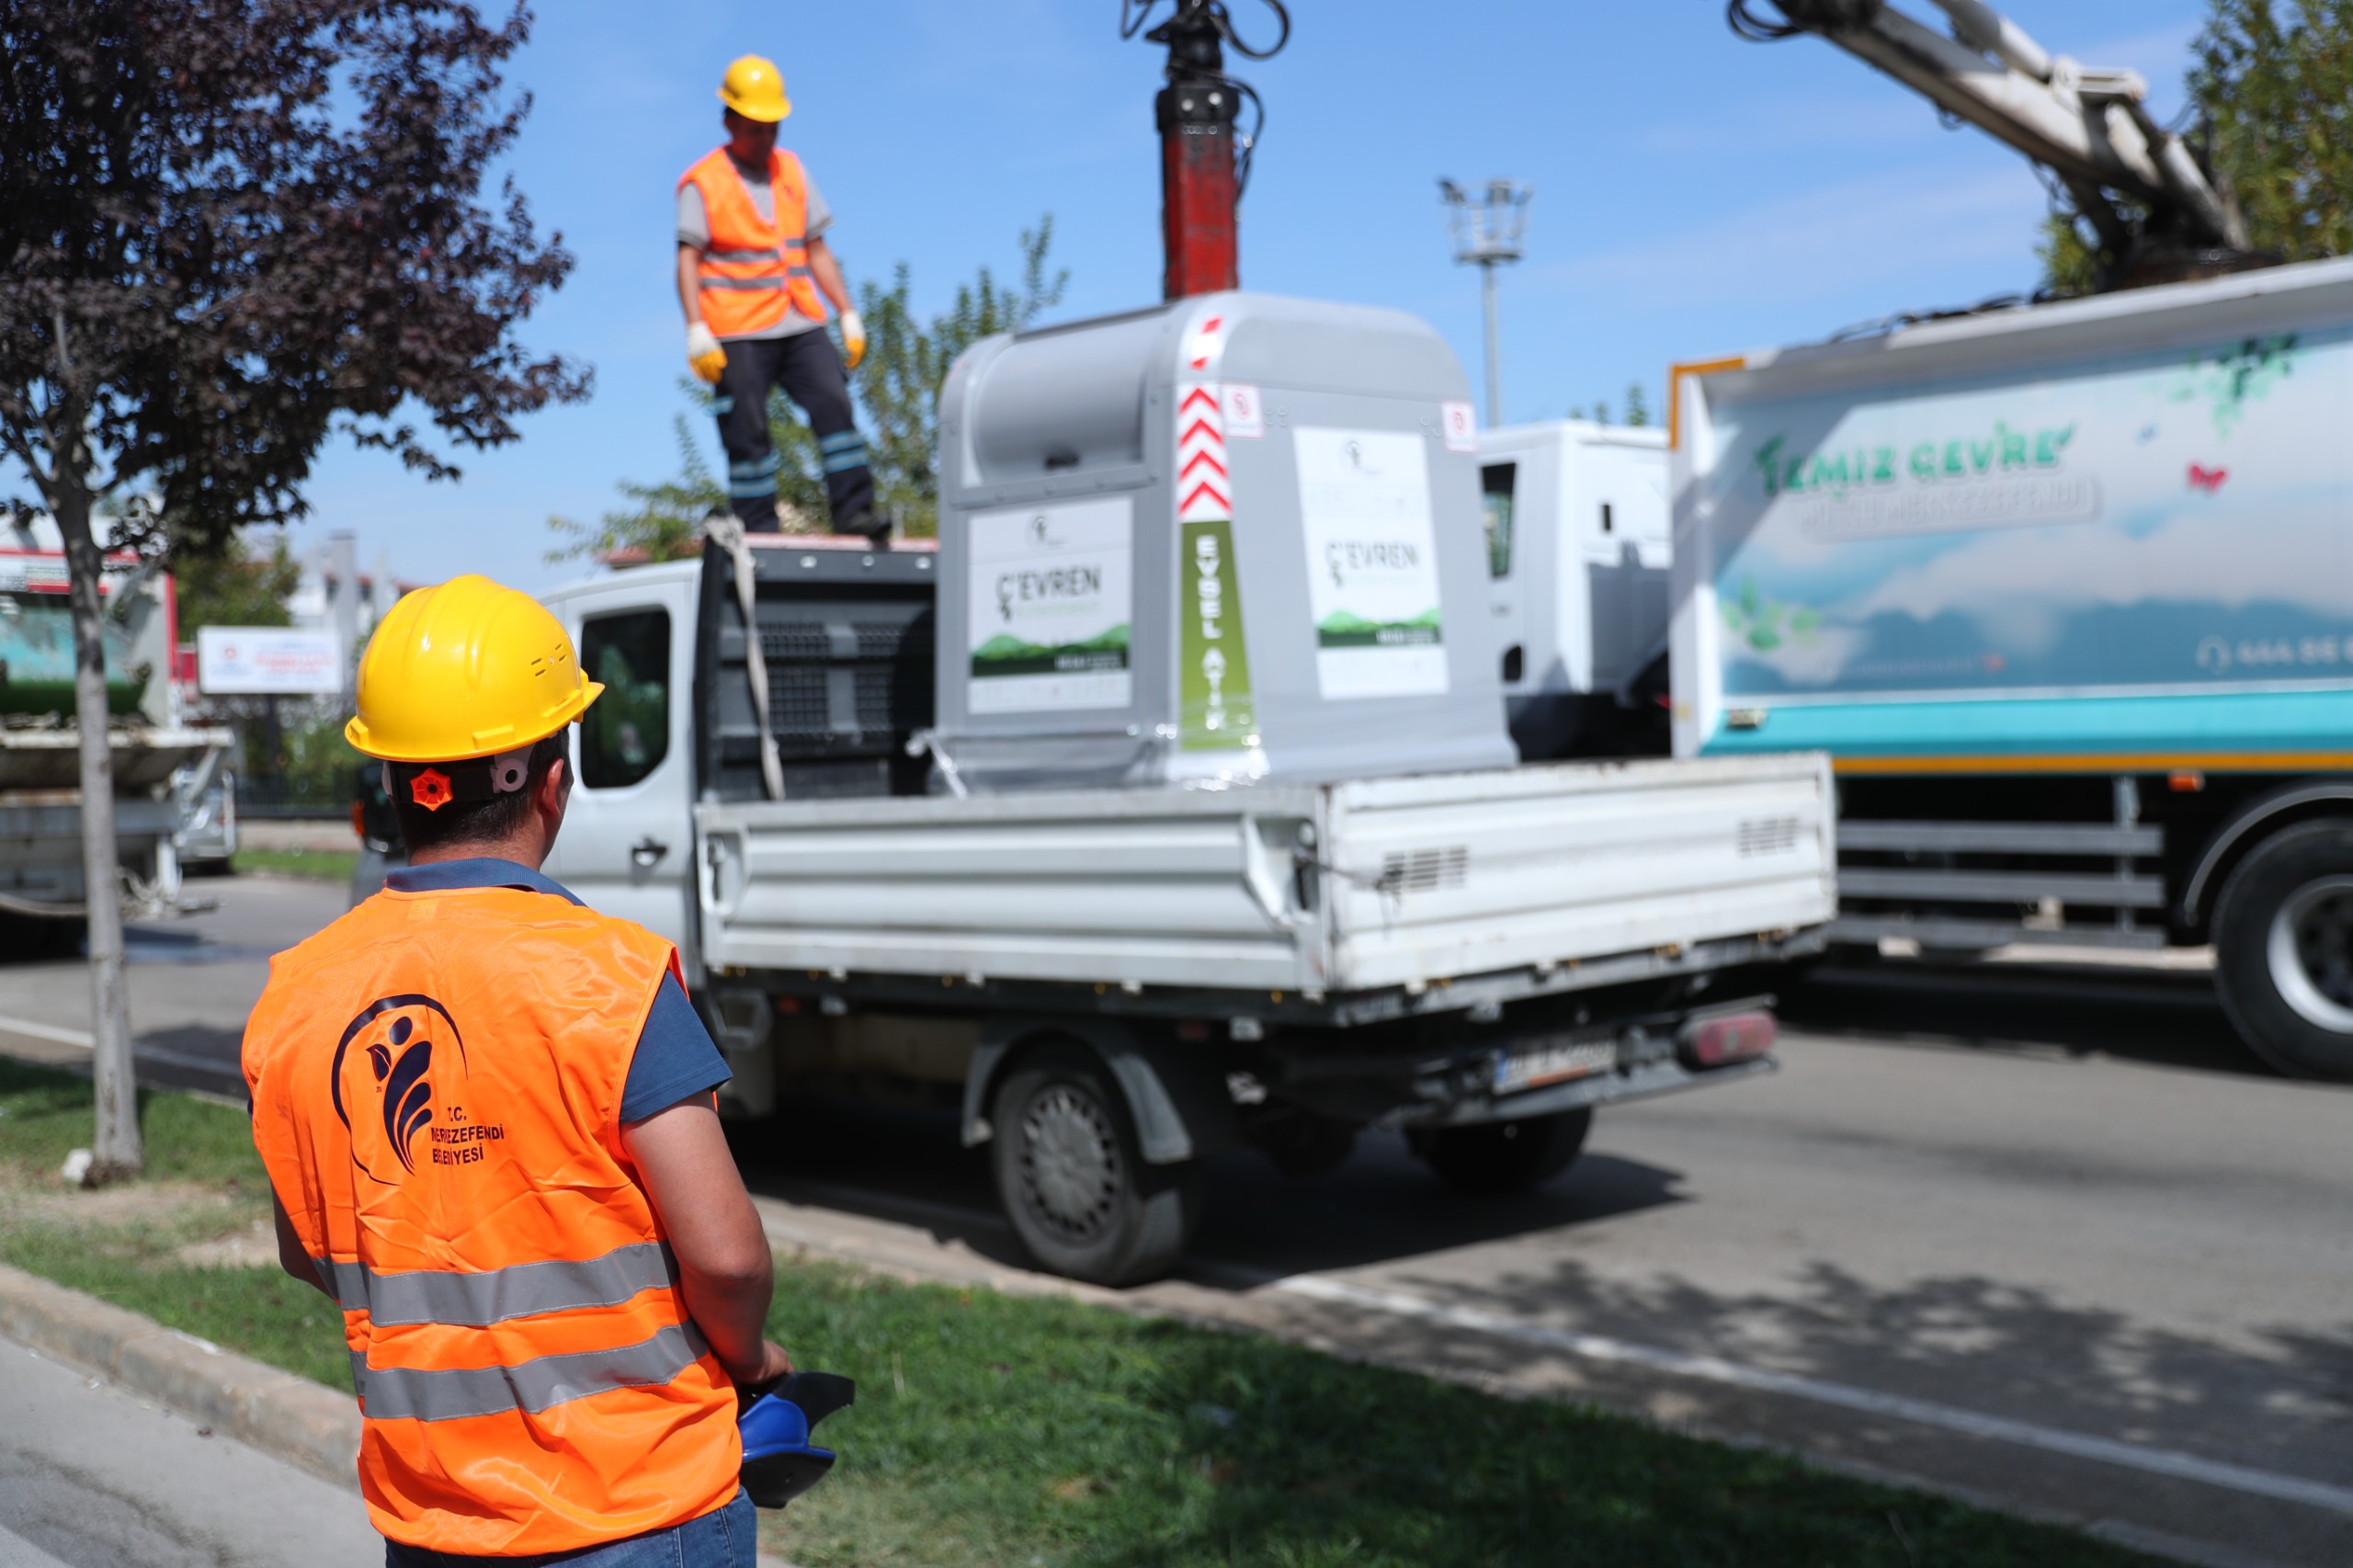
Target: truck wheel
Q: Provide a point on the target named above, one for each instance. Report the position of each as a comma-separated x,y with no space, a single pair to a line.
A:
1071,1180
2283,950
1494,1157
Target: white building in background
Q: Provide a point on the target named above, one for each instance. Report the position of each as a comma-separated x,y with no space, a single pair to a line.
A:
333,594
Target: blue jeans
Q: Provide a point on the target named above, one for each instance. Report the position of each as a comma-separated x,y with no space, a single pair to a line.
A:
724,1538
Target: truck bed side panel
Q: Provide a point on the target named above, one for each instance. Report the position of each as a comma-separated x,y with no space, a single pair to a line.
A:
1473,873
1148,887
1344,888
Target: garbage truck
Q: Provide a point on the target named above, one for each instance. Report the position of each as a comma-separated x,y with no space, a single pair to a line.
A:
163,765
1167,805
2067,592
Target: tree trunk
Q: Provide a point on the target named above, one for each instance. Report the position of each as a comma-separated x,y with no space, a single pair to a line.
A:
117,1149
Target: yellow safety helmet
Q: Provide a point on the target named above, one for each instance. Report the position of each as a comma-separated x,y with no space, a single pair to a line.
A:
754,88
465,669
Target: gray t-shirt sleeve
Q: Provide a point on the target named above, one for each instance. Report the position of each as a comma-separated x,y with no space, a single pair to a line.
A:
694,222
820,217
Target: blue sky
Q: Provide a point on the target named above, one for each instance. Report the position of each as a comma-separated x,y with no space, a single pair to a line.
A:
1695,195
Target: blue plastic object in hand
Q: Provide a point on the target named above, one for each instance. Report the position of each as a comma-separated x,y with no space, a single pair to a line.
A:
779,1462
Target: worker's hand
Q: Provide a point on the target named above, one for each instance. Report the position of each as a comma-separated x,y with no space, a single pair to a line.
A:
853,339
774,1364
704,354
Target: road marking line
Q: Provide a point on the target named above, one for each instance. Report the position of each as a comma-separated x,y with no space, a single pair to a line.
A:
163,1055
16,1551
49,1032
1926,1412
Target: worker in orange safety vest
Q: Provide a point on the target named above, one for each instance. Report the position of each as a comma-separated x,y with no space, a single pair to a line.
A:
753,261
488,1118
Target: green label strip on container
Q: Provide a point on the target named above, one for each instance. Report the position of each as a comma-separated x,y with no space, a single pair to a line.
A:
1217,713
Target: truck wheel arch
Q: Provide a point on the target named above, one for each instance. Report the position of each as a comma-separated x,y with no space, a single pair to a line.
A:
2252,822
1179,1101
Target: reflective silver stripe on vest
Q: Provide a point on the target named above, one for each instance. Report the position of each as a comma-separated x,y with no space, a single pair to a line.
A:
493,1295
406,1394
745,285
773,254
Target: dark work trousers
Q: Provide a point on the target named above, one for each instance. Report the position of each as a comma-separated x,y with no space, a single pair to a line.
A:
808,369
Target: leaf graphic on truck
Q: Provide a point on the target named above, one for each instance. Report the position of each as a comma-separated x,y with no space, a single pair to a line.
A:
1765,624
1343,628
1004,654
2237,376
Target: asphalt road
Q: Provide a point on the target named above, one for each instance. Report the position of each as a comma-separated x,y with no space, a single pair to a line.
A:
2043,1235
93,1478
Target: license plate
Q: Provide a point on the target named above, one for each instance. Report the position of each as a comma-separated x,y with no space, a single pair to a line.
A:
1533,1066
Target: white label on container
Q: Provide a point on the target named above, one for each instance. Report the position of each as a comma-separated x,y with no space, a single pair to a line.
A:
1460,426
266,661
1050,604
1364,503
1246,416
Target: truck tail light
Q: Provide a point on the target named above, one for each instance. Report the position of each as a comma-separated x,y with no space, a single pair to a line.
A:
1727,1038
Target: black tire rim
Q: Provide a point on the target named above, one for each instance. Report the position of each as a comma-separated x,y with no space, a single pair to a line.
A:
2310,952
1071,1170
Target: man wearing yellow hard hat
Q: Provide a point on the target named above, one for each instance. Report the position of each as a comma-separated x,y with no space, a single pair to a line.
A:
752,263
486,1112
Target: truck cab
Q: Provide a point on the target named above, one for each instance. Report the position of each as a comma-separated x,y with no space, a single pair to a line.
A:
1578,555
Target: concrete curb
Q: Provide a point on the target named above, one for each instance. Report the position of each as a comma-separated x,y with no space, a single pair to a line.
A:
312,1427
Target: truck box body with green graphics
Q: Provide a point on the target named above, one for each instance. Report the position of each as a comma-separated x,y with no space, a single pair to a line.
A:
2067,592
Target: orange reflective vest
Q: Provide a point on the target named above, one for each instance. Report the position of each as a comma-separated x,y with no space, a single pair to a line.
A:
437,1081
754,271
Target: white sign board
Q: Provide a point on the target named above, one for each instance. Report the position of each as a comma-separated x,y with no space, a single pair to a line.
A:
266,661
1051,604
1364,503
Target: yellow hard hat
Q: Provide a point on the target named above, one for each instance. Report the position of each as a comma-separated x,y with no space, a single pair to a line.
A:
754,88
465,669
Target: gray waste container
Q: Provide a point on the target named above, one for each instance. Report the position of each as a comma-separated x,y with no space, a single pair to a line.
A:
1232,537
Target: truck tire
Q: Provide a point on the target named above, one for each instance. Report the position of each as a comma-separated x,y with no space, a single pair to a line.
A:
2283,950
1072,1181
1493,1157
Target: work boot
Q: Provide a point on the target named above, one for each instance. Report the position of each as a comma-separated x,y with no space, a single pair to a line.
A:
876,523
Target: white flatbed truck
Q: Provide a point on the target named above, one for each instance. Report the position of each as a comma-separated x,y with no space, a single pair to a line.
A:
1333,914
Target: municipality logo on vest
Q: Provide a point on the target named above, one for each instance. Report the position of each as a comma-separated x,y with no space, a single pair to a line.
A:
399,1081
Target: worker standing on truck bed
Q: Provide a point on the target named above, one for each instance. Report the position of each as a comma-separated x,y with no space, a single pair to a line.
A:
487,1116
752,261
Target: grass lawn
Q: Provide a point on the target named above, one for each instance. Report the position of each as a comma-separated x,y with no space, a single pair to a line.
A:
996,1429
327,865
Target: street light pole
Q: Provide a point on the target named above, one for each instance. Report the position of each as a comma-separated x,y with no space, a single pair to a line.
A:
1494,350
1487,230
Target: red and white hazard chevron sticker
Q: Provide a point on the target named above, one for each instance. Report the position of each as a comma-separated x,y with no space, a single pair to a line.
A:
1204,489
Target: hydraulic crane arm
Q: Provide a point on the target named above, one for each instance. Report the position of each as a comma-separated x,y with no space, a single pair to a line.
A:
2090,128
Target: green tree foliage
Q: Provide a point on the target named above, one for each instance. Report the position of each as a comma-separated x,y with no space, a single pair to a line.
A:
2271,83
227,229
2278,94
1638,405
897,391
232,587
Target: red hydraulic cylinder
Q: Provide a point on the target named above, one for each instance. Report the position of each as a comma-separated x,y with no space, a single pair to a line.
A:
1198,194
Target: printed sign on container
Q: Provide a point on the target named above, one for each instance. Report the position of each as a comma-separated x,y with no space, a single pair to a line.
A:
1364,501
1052,600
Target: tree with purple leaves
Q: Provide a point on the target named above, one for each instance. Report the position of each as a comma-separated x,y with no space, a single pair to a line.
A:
228,229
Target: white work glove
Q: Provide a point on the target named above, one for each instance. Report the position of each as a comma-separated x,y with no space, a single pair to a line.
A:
704,354
853,339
